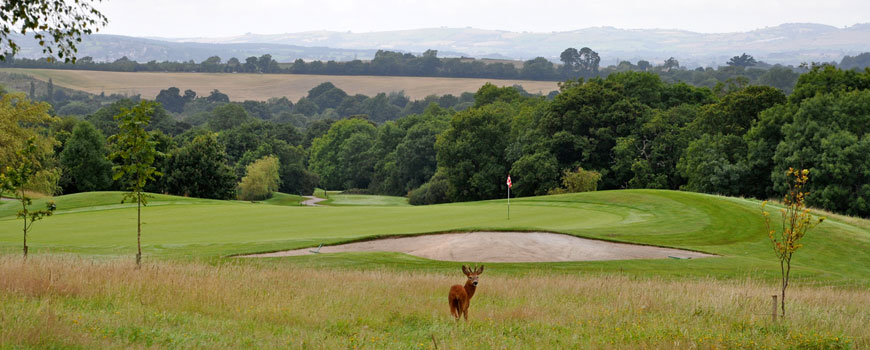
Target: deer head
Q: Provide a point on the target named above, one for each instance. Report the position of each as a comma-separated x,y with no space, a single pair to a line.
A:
472,273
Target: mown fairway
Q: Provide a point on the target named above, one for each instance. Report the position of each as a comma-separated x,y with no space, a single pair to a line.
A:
97,224
261,87
191,295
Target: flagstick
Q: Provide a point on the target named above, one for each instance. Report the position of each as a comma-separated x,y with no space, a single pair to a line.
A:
509,202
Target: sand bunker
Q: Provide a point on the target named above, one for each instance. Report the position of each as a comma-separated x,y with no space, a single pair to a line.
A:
501,247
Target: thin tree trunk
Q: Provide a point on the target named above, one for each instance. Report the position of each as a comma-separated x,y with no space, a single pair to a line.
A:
139,231
785,285
24,209
25,237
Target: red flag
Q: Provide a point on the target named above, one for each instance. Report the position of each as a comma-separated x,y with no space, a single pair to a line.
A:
509,181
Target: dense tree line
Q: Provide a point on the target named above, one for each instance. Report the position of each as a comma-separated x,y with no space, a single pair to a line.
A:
63,101
573,63
857,62
208,143
325,101
635,131
628,130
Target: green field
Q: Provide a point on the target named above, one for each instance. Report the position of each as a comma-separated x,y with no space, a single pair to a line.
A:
355,300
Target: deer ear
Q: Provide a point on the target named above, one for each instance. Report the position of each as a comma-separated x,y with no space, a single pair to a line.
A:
480,270
465,270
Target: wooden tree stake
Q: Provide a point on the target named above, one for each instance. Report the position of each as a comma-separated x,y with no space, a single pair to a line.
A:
774,307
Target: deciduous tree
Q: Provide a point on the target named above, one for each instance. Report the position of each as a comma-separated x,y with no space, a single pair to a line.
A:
342,156
671,63
217,96
535,174
829,135
199,169
796,221
20,120
227,117
472,152
84,163
57,25
134,151
17,177
416,159
743,60
578,181
715,164
588,61
171,99
261,179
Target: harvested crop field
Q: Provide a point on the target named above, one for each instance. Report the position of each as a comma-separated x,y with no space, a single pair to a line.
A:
240,87
501,247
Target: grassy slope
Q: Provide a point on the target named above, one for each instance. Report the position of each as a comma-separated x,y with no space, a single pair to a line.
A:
364,200
261,87
208,229
285,199
95,201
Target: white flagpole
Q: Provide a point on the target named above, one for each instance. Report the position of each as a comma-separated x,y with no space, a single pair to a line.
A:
509,202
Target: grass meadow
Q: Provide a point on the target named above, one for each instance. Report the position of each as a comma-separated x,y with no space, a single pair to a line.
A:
80,289
261,87
70,302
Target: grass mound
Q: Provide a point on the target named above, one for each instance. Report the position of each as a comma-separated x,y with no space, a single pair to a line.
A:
279,198
340,199
95,201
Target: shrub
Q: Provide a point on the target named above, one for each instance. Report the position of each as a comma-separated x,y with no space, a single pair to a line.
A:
578,181
261,179
432,192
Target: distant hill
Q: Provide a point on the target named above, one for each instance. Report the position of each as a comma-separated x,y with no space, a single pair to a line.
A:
786,44
112,47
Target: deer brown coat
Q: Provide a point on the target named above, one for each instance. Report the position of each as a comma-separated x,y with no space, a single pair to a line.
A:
460,296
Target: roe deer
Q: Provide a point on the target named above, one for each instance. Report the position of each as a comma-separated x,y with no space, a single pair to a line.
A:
460,297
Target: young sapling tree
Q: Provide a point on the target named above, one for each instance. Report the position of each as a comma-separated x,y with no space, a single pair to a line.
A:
15,180
134,151
796,221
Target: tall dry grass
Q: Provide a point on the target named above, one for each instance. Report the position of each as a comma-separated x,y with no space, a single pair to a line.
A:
66,302
261,87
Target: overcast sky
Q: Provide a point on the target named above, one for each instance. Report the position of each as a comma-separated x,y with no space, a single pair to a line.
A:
217,18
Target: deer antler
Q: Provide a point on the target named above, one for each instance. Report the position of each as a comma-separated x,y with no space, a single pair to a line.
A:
465,270
479,270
